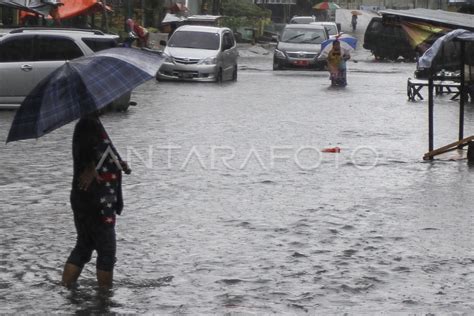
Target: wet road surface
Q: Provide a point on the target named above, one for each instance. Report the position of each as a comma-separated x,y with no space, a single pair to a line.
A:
232,208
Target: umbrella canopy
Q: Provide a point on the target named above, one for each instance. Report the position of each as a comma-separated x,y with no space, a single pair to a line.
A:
356,12
326,6
82,86
348,44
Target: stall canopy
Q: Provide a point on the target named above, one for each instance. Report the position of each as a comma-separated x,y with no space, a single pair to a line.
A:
72,8
424,26
41,7
445,53
173,18
54,8
452,53
421,34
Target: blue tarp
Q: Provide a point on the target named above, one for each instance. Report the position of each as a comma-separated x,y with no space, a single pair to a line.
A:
426,60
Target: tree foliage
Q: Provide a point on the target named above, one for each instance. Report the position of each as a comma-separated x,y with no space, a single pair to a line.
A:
244,8
243,13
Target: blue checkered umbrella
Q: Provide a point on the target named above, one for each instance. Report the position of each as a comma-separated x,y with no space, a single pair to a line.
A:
82,86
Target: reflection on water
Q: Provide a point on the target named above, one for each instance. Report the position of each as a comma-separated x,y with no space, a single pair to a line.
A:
262,237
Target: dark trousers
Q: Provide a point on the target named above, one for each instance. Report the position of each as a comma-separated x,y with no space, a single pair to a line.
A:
92,234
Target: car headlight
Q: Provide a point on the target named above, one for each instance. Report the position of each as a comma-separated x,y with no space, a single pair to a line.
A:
168,58
279,54
208,61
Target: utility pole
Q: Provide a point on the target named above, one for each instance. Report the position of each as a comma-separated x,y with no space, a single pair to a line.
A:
129,9
216,7
105,16
143,13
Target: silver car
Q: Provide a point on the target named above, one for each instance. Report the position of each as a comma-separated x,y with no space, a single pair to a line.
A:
302,19
299,47
200,53
27,55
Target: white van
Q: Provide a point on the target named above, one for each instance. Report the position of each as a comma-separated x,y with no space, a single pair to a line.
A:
200,53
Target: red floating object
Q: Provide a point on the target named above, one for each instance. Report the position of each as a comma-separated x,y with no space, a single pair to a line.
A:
332,150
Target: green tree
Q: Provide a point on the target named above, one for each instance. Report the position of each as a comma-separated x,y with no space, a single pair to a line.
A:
243,8
243,13
154,10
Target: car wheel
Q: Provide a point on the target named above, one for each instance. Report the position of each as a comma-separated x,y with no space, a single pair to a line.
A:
235,73
408,57
219,77
276,66
393,56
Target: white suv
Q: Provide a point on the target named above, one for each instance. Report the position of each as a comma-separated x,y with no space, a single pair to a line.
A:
27,55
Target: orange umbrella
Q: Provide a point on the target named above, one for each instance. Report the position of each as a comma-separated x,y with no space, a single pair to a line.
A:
356,13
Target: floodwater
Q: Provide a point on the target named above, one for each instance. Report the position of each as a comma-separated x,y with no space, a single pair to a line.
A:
232,208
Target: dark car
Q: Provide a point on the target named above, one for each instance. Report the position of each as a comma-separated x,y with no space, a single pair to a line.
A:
300,46
387,40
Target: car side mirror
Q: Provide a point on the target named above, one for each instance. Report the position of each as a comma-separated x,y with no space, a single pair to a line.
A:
162,43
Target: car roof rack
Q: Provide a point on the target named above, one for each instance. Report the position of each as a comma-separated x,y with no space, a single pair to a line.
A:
40,28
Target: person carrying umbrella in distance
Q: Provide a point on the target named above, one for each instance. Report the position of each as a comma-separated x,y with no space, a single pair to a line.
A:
354,22
81,89
354,19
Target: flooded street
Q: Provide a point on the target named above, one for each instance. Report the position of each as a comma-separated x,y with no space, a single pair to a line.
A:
232,208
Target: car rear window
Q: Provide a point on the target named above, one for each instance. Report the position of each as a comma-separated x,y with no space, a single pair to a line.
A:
332,29
97,44
303,36
375,26
199,40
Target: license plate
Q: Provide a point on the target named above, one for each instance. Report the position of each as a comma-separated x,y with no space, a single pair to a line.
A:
185,75
301,62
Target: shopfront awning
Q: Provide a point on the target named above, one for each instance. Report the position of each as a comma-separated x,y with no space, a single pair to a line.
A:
72,8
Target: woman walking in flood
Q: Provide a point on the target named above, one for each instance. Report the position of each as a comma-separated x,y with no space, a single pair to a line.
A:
336,61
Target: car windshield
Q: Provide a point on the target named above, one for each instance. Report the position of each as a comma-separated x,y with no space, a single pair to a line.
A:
332,29
190,39
308,36
301,20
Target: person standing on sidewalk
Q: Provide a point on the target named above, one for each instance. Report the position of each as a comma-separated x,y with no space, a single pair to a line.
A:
354,22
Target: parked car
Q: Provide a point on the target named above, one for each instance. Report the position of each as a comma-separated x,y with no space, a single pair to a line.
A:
331,27
299,46
200,53
387,40
302,19
27,55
